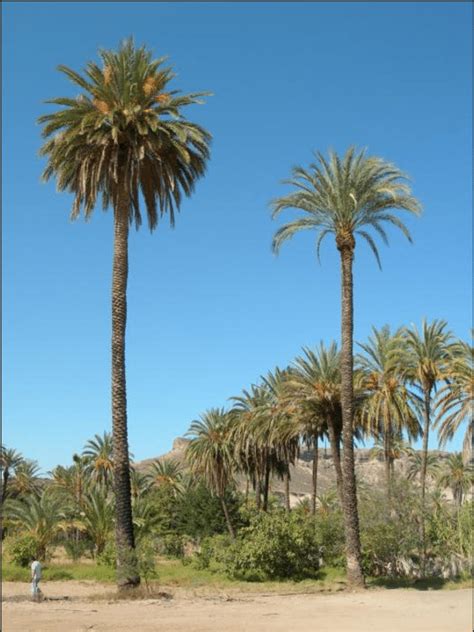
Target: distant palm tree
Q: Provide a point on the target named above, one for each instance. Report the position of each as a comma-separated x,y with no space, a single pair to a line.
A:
415,463
389,408
140,483
455,400
73,481
26,479
347,197
124,138
210,454
458,476
99,453
315,387
9,460
426,365
167,473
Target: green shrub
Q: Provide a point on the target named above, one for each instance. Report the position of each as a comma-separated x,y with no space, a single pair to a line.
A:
172,545
108,555
75,549
21,549
275,546
214,553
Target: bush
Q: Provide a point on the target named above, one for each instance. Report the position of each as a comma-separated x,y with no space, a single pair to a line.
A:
75,549
275,546
22,549
172,545
214,553
108,555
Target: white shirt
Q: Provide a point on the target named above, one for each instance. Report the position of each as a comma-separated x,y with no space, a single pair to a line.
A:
36,570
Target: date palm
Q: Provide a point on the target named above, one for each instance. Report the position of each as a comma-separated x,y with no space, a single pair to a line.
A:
167,473
389,410
315,388
347,197
9,460
210,454
455,400
458,476
124,140
425,365
26,480
99,454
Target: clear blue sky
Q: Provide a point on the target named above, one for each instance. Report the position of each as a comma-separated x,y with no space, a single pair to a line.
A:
210,307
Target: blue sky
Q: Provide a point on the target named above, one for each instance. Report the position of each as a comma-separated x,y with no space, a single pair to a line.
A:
210,307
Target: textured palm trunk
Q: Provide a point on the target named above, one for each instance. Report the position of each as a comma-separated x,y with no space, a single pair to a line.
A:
258,490
424,461
315,477
230,528
355,575
334,442
6,475
388,464
266,483
127,575
287,488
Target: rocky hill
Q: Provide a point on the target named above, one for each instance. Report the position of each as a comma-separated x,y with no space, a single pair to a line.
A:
369,470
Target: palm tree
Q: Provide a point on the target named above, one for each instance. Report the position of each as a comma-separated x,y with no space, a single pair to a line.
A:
122,136
167,473
250,452
9,460
458,476
26,478
39,516
210,454
315,387
389,409
97,518
347,197
99,454
425,366
73,481
414,465
455,401
140,483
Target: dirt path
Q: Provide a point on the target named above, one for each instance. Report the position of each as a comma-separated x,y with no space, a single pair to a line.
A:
371,611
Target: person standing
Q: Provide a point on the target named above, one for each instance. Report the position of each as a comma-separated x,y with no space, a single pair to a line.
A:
35,579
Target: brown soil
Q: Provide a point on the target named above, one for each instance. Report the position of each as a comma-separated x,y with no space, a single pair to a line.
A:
87,606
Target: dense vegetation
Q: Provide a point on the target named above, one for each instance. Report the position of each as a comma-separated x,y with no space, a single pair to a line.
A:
216,511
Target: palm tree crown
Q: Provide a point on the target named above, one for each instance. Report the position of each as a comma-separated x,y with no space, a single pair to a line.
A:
346,197
125,130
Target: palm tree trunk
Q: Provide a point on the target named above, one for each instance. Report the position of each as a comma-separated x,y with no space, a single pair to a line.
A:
127,575
227,518
258,491
6,475
424,462
388,469
287,488
266,483
355,575
336,456
315,476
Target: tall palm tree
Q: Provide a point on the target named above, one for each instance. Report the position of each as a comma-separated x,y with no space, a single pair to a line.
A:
426,365
123,136
389,409
210,454
455,400
347,197
9,460
99,454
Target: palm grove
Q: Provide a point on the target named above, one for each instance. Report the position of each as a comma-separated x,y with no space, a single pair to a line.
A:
126,140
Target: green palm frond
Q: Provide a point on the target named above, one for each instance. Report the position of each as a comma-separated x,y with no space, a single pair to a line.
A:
346,196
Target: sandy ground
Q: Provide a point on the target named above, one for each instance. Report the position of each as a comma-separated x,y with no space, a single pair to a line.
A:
83,606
